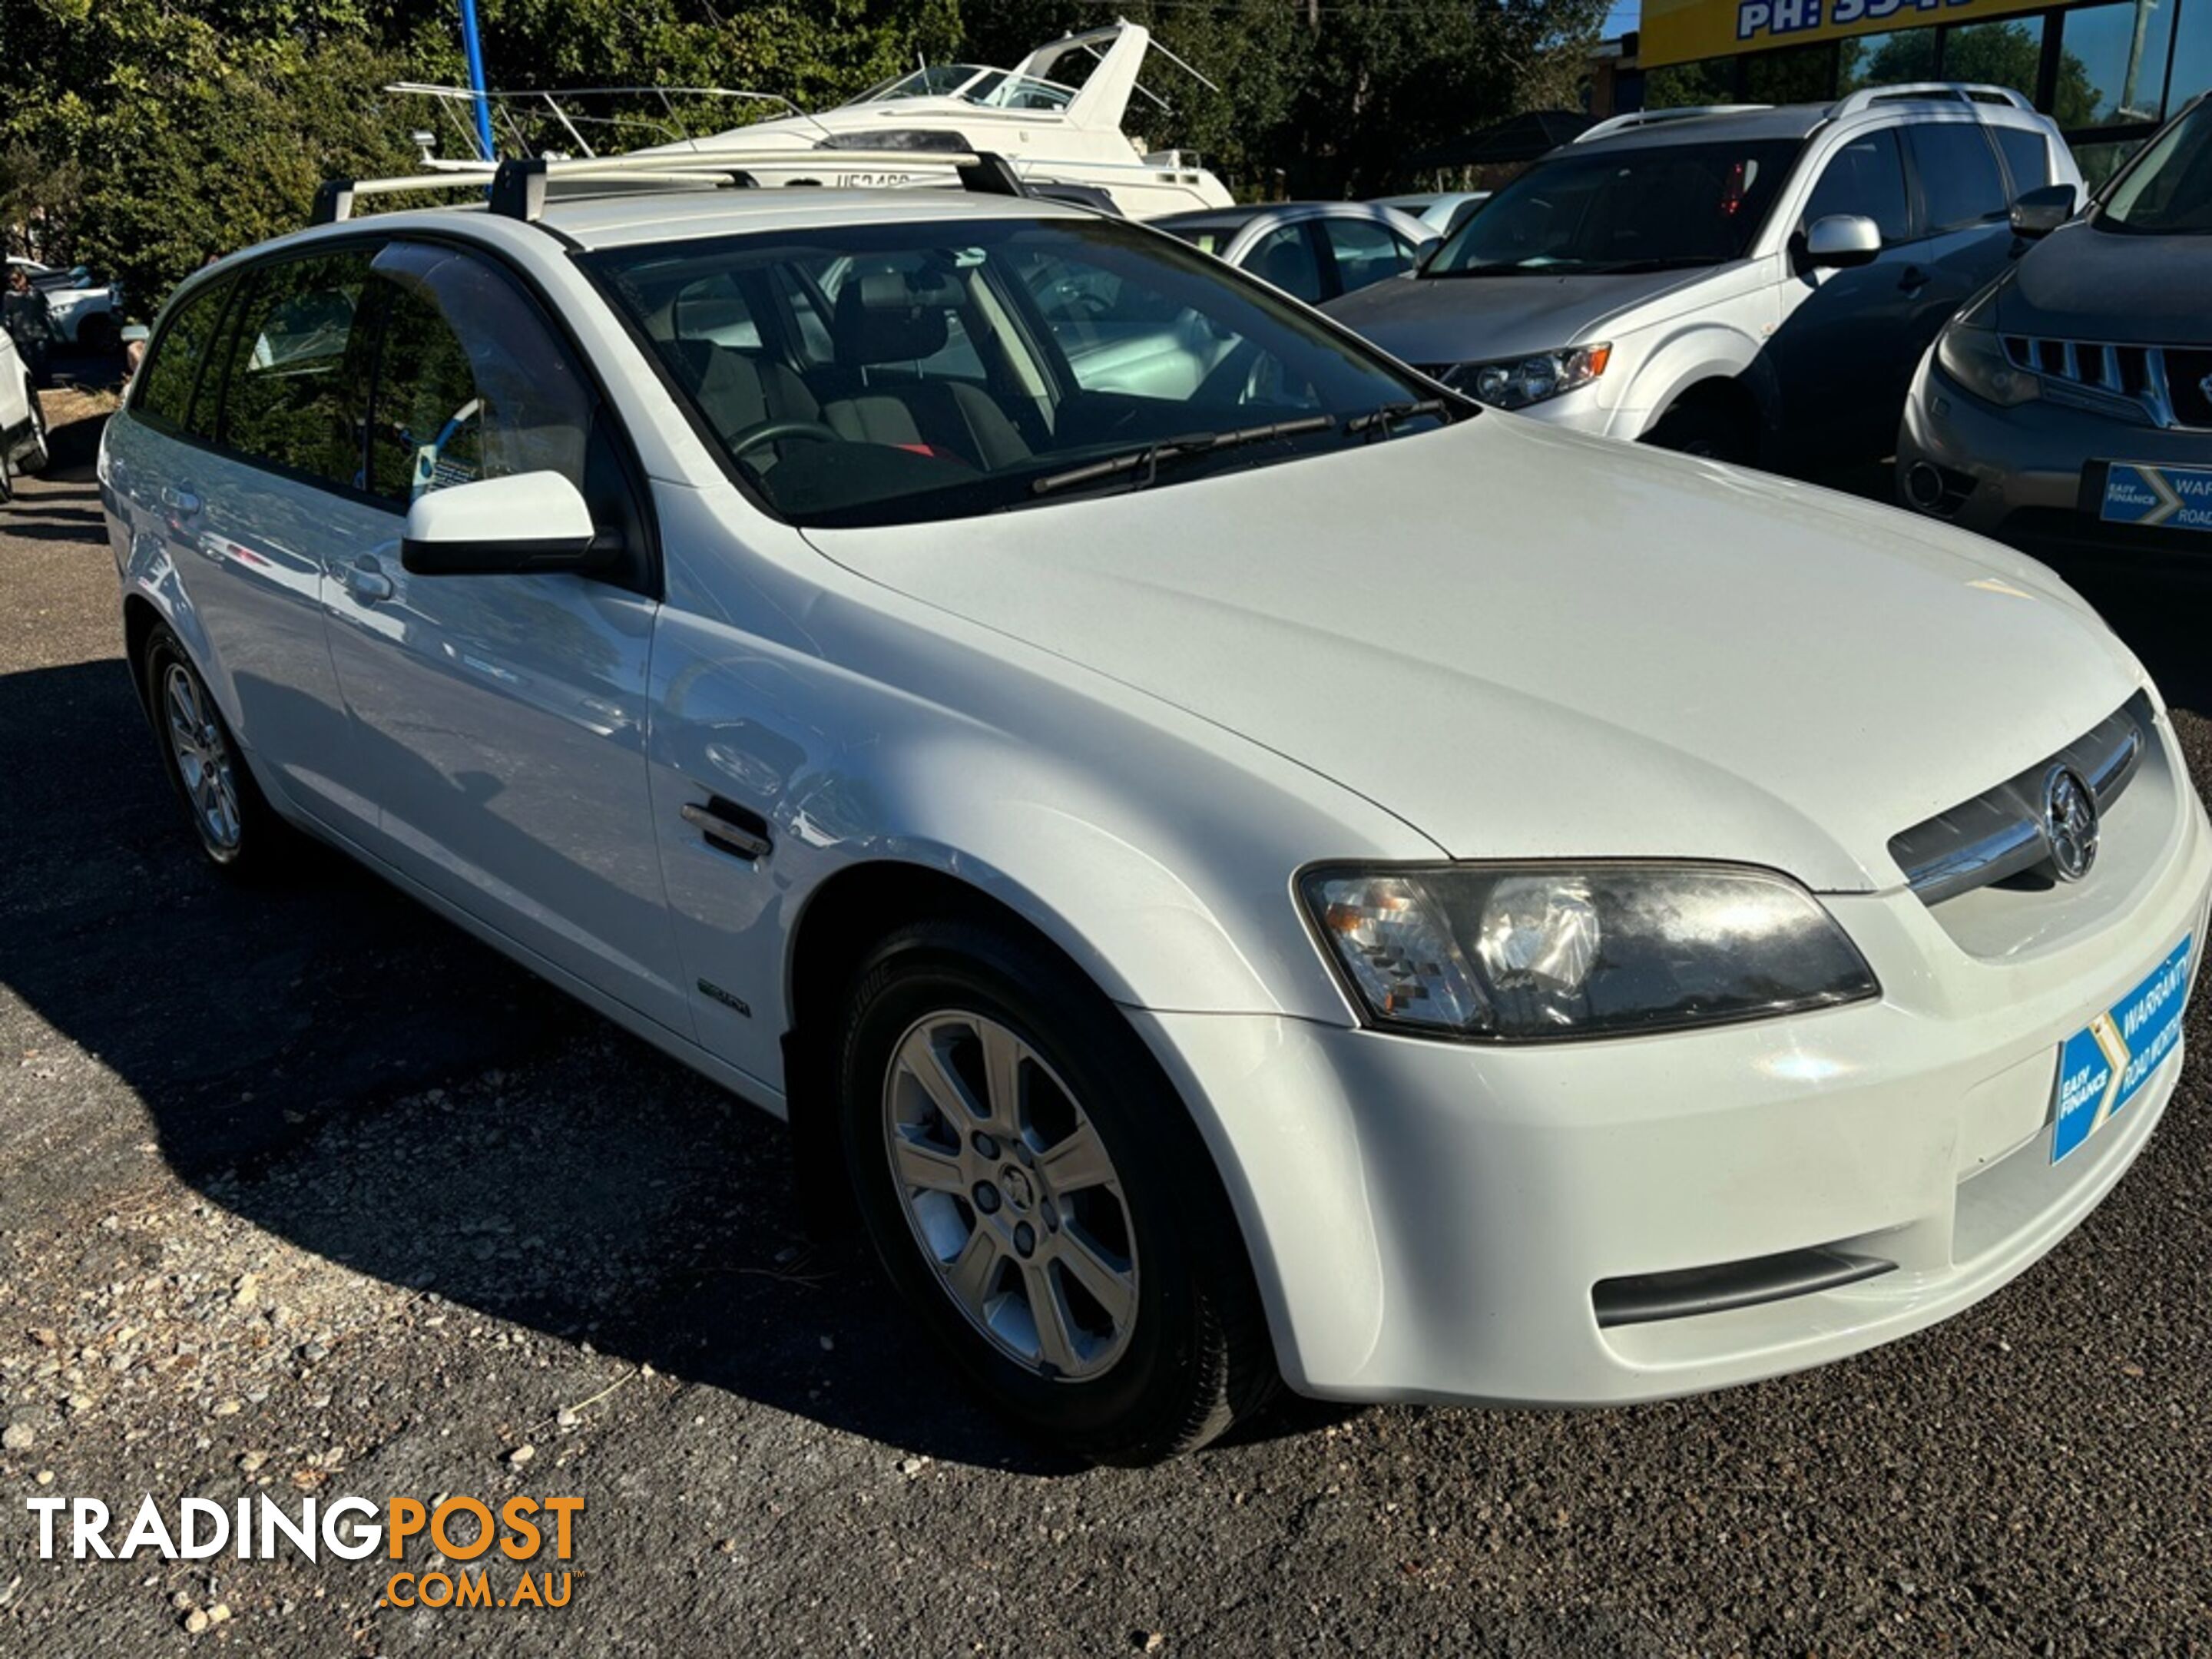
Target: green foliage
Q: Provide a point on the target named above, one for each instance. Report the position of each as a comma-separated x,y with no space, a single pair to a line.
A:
141,136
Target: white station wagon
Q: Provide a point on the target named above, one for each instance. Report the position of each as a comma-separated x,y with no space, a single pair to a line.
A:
1289,878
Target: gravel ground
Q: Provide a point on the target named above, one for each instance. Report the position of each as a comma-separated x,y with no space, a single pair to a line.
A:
301,1191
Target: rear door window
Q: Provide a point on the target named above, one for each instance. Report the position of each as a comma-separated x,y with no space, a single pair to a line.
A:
295,387
1285,257
1866,177
166,383
1957,174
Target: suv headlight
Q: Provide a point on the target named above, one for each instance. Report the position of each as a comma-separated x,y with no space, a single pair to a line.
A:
1520,382
1974,356
1543,951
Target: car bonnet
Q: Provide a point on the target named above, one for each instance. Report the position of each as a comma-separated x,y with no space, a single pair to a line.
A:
1529,643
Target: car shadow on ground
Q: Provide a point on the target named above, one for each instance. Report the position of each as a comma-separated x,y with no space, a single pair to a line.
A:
354,1075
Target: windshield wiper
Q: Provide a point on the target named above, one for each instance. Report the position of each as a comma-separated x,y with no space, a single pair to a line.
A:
1389,415
1148,459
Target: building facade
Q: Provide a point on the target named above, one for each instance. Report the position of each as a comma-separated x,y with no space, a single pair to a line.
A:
2109,71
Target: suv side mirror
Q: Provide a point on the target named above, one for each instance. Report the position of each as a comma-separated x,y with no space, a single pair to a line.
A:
531,521
1841,240
2038,212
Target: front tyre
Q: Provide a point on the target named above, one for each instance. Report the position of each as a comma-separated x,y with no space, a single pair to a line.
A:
238,829
1035,1188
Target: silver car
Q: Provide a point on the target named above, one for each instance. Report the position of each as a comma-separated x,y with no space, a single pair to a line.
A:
2070,408
1312,251
1752,283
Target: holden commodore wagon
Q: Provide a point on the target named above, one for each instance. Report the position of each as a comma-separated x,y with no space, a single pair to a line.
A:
1631,927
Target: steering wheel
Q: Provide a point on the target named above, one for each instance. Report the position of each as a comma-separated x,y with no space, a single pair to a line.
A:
769,432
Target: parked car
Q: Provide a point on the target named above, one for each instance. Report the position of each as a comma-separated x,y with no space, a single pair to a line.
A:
1314,250
1442,211
1635,928
22,422
1755,284
2068,409
87,312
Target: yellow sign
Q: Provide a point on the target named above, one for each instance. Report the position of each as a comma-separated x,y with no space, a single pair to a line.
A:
1684,31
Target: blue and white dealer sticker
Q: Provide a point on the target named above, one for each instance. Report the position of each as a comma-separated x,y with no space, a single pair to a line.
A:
2103,1067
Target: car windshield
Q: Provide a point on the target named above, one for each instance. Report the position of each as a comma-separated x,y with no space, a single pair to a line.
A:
1641,208
2169,191
908,372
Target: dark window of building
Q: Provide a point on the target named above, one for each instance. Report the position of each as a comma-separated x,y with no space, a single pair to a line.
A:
1957,172
1682,85
1795,75
1866,177
2007,52
2191,71
2111,64
1876,60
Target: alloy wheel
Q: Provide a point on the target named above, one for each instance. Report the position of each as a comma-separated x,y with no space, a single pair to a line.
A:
1012,1194
203,758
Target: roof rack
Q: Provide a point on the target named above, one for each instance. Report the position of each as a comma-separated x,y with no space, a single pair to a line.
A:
1652,117
1955,92
517,188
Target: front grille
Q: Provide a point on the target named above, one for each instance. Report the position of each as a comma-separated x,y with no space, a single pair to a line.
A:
2162,385
1999,833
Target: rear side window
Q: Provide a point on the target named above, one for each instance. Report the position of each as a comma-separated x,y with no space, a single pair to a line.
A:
1285,257
471,383
293,396
1866,178
2028,158
166,382
1957,170
1365,252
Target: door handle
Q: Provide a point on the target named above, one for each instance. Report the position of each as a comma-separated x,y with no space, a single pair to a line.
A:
729,828
366,580
182,502
1915,279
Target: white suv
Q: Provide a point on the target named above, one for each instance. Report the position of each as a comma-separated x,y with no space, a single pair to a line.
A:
1752,283
1624,928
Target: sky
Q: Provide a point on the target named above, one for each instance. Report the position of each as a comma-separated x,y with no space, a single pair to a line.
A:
1621,18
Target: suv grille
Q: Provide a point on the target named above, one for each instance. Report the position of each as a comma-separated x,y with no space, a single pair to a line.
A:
2164,386
2000,832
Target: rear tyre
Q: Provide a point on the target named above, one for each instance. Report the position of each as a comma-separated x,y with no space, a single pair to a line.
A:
1706,428
36,453
238,831
1035,1188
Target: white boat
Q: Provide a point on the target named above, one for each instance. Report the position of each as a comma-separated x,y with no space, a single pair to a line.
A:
1056,117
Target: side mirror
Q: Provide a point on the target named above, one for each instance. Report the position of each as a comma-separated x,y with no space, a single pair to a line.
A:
1425,255
532,521
1841,240
2038,212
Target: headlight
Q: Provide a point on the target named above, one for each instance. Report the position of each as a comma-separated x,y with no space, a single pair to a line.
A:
1537,951
1975,358
1523,380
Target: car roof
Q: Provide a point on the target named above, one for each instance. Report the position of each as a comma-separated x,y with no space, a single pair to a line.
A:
1793,121
627,218
1245,212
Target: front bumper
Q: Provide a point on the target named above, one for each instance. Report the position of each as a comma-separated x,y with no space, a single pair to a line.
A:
2017,474
1430,1220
